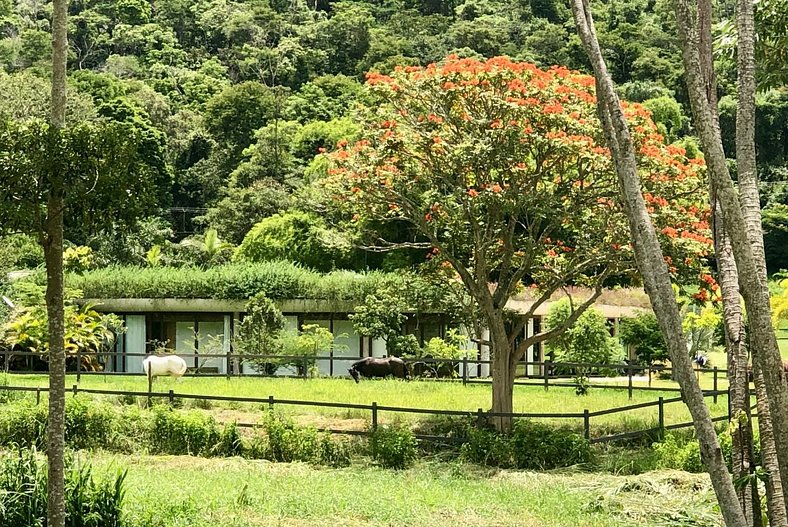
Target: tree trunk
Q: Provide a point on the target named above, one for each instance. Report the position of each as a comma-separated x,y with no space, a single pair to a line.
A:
502,374
742,438
746,247
53,254
738,391
774,487
652,266
751,211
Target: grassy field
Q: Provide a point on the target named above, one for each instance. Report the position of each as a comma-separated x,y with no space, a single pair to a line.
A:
416,394
184,491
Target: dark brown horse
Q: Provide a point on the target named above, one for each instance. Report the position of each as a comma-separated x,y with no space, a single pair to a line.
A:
379,367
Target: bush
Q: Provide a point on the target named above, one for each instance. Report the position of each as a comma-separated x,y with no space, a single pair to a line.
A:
23,424
298,237
530,445
587,340
88,424
393,446
540,446
279,439
174,432
90,502
679,453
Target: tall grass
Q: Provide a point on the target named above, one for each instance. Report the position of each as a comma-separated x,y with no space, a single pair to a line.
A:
277,280
90,501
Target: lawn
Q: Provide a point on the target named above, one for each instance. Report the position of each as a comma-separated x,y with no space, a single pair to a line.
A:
415,394
179,491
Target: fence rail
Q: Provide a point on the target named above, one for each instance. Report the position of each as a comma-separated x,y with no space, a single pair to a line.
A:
549,373
481,416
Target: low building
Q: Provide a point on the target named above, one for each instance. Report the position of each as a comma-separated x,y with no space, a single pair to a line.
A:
205,328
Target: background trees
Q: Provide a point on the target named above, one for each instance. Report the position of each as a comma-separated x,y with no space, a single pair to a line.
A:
211,79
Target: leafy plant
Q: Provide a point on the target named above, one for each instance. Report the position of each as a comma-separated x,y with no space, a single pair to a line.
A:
86,330
587,340
530,445
90,501
393,446
78,259
259,332
642,332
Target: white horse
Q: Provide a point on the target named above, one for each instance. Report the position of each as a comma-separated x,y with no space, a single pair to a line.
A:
172,365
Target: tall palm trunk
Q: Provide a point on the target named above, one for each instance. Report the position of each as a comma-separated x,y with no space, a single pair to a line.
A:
751,212
53,253
749,263
742,439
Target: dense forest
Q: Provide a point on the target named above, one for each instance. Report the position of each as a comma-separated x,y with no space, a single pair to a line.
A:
236,101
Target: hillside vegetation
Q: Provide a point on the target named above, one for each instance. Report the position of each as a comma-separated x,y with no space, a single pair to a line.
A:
236,101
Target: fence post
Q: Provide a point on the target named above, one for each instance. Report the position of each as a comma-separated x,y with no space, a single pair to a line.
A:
74,389
271,402
331,362
227,364
715,385
480,418
150,385
586,424
171,397
38,396
304,363
661,418
79,365
629,380
465,370
546,373
374,416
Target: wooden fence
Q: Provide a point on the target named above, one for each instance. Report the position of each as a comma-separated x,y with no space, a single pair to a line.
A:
549,372
480,415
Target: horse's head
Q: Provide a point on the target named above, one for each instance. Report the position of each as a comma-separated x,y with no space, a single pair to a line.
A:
353,373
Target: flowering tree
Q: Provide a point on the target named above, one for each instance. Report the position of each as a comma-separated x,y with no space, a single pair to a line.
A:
500,169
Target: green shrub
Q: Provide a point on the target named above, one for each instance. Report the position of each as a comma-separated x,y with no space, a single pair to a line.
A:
88,424
487,447
393,446
230,443
530,445
279,439
295,236
683,453
90,502
540,446
286,442
175,432
675,454
23,424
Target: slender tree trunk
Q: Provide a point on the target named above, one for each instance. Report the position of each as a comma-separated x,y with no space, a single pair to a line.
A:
746,248
774,488
653,268
53,253
742,438
751,211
